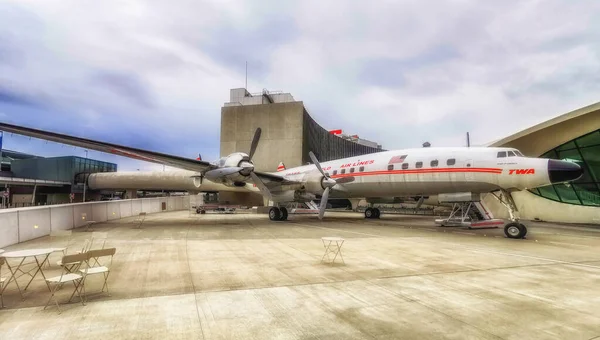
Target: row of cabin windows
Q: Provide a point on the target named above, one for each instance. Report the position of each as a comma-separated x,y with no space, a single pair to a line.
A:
434,163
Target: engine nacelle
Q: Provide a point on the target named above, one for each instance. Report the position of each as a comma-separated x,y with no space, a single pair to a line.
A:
314,184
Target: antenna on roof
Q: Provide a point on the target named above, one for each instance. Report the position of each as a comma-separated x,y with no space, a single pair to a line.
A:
246,86
468,141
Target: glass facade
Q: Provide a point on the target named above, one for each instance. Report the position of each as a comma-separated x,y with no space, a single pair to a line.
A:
584,151
326,146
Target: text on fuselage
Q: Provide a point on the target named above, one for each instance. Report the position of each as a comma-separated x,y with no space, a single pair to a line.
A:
521,171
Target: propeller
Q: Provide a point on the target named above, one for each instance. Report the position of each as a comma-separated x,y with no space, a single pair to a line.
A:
254,144
327,183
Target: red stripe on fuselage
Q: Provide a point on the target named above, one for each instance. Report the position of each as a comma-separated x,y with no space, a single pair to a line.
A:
419,171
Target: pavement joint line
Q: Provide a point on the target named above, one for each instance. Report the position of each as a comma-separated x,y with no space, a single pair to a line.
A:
477,250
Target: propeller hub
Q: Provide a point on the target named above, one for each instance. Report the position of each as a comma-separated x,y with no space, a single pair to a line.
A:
328,182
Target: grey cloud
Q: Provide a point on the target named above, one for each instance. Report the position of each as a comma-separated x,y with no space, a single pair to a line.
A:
390,72
128,86
13,98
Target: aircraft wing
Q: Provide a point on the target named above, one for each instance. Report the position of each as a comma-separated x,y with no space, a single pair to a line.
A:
125,151
273,181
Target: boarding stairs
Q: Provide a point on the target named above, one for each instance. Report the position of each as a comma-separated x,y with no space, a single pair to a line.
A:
471,214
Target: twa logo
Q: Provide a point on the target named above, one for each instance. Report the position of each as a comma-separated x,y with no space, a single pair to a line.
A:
521,172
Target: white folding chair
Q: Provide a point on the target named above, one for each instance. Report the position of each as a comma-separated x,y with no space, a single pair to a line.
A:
2,279
140,219
69,275
99,238
86,246
100,268
60,241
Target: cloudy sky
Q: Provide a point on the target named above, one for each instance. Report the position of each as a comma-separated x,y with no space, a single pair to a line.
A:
154,74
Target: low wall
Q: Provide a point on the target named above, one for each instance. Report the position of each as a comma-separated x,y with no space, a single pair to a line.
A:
24,224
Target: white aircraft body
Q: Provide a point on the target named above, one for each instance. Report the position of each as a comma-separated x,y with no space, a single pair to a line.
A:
423,171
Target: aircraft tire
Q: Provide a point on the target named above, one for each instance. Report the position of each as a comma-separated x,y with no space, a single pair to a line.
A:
369,213
524,230
284,214
515,230
274,214
377,213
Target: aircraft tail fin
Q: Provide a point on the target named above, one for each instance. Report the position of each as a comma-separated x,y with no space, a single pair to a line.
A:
281,166
199,157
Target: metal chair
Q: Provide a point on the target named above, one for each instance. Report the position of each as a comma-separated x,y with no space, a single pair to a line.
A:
60,241
69,275
100,268
140,219
2,279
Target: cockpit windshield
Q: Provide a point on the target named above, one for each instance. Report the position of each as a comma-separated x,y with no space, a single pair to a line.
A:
509,153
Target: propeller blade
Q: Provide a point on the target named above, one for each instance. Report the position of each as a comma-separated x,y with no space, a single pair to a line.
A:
345,180
254,144
316,162
323,204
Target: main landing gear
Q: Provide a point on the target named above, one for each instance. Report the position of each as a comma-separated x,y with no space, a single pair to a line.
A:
278,214
372,213
514,229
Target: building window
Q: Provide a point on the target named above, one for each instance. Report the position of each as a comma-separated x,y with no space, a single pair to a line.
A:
451,161
434,163
391,167
584,151
419,165
501,154
361,169
404,166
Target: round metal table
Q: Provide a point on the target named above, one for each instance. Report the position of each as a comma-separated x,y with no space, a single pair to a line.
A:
44,253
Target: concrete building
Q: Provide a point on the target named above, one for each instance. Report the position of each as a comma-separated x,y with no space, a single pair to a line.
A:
573,136
288,131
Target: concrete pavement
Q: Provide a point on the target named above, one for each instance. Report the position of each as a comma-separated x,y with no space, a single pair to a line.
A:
241,276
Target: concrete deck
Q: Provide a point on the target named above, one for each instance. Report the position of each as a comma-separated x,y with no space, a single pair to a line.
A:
243,277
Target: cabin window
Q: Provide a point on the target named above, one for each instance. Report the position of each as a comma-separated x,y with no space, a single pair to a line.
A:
361,169
451,161
434,163
419,165
334,172
404,166
343,171
501,154
351,170
391,167
511,154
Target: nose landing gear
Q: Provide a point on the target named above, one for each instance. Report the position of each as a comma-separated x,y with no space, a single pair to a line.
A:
514,229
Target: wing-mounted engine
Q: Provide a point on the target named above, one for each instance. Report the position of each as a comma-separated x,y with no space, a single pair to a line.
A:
232,170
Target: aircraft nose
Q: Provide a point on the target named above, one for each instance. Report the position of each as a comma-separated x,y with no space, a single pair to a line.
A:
563,171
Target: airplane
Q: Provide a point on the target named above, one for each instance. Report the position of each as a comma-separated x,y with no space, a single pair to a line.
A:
418,172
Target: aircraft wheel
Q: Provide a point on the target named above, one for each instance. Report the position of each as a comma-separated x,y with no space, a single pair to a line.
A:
524,230
369,213
377,213
274,214
515,230
284,214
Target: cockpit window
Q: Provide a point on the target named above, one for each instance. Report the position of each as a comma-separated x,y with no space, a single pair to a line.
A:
511,154
519,153
501,154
